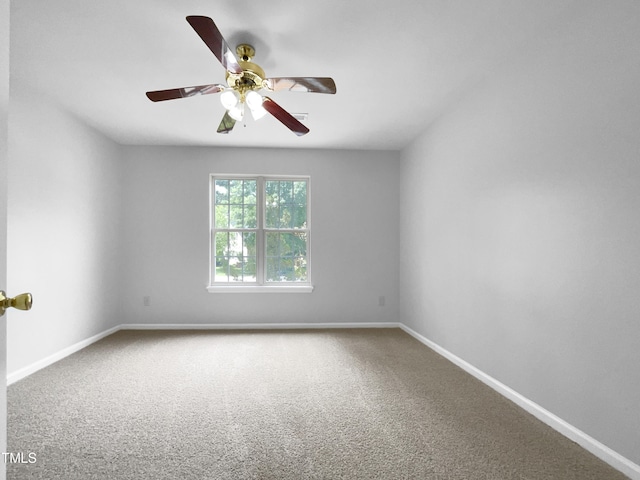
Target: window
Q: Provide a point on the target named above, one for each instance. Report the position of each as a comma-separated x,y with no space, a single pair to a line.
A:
259,233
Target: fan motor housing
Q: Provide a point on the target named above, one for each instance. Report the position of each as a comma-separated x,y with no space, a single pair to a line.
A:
252,74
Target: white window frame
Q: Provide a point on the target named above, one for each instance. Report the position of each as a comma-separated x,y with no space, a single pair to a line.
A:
261,285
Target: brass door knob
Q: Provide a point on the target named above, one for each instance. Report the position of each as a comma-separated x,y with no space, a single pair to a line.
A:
21,302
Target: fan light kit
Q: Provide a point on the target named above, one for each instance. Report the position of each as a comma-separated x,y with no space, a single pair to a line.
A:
244,81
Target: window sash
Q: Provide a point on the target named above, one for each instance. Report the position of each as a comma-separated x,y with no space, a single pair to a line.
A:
296,258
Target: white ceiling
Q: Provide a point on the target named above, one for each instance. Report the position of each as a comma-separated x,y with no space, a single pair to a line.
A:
397,64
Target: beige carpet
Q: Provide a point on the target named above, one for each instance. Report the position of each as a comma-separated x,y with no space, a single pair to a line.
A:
328,404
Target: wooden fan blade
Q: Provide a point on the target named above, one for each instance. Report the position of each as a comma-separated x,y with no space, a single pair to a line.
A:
227,123
301,84
173,93
285,117
212,37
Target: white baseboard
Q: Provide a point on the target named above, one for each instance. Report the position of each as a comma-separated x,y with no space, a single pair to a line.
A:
65,352
253,326
587,442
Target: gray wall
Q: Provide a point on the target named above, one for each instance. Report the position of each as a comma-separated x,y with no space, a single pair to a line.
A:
64,228
520,226
354,204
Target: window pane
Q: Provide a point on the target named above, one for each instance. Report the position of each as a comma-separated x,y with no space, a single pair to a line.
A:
273,215
250,219
272,203
285,204
284,245
235,257
222,243
286,192
294,244
249,245
250,197
235,216
221,192
293,269
272,244
272,269
271,191
222,216
235,204
249,269
222,269
236,192
286,257
235,244
286,216
235,269
299,216
286,270
300,192
300,269
221,260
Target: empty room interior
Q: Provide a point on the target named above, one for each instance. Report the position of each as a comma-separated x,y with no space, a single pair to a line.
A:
293,240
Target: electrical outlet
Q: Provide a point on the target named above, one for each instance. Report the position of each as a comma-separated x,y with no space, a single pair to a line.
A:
146,301
381,301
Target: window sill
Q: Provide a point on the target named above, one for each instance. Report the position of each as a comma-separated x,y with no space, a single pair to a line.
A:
260,289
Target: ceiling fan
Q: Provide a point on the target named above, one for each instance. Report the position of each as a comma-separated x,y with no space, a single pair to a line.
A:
244,81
